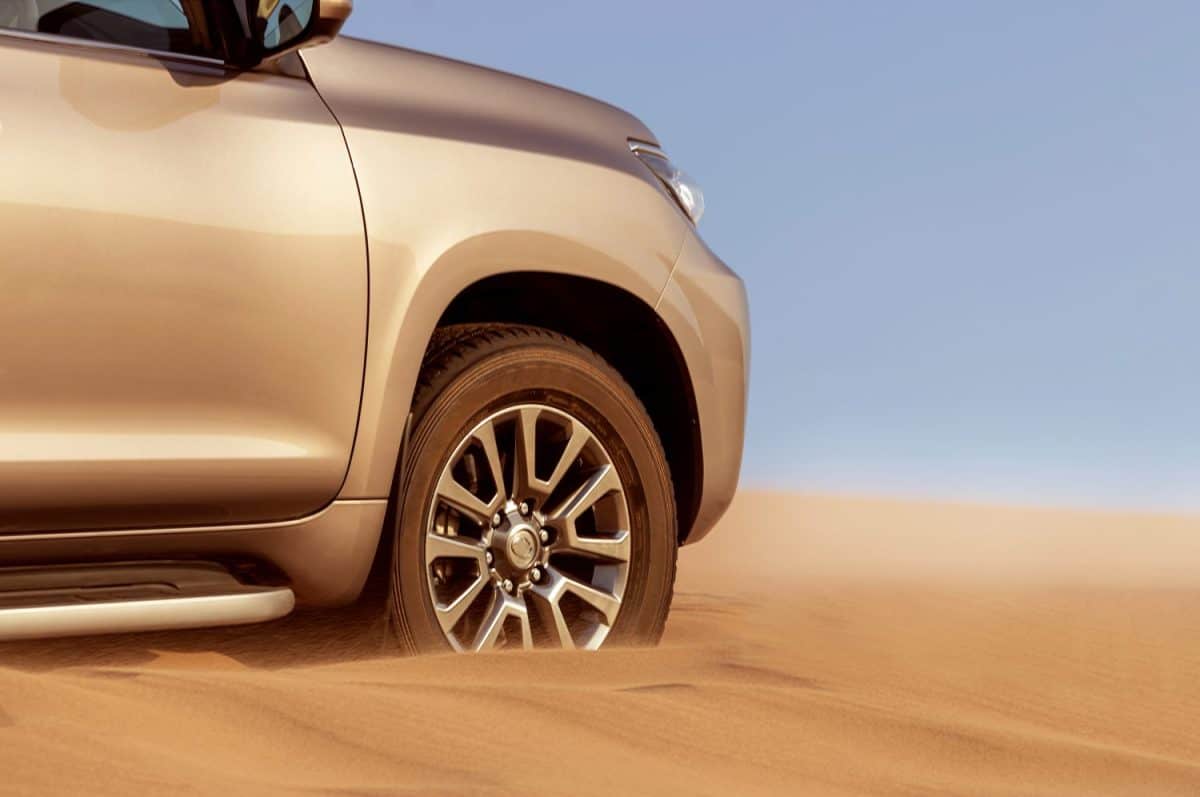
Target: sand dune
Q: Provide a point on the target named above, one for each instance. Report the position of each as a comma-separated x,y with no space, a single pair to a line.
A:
817,646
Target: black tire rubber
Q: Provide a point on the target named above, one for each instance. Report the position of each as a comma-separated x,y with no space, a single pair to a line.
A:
471,371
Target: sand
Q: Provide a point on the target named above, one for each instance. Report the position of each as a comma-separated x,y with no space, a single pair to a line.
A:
817,646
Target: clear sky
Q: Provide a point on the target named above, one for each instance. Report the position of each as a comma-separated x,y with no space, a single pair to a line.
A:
969,230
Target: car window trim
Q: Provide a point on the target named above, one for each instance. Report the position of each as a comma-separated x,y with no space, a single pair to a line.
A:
89,44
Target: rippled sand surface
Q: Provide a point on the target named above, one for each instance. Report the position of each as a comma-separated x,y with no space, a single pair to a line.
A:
817,646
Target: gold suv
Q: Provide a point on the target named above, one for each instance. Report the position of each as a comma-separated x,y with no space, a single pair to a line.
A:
271,312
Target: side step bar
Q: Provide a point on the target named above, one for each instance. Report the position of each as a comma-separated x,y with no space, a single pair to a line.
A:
76,600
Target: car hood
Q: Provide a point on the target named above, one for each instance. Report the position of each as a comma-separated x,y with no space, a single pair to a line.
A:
415,92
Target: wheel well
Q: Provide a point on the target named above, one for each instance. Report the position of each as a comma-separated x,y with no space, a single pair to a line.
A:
623,330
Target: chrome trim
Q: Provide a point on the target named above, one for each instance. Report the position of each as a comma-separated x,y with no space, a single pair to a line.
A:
53,38
637,147
43,622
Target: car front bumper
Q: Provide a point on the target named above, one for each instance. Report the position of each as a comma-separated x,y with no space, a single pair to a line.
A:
706,307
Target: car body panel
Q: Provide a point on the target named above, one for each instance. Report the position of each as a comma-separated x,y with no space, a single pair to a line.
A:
326,556
251,400
706,308
184,292
466,173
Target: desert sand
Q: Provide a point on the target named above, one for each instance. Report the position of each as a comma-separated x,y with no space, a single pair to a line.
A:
817,645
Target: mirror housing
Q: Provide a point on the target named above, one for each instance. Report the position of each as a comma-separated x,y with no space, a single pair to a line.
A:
275,28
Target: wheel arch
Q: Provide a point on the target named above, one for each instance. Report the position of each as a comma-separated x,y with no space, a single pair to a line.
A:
414,290
621,328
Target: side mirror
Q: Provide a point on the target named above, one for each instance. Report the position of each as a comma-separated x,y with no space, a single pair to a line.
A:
279,27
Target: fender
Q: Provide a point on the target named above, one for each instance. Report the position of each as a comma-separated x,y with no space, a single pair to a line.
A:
407,302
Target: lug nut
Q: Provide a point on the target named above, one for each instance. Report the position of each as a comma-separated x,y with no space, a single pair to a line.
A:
524,508
544,535
508,585
496,518
490,558
535,575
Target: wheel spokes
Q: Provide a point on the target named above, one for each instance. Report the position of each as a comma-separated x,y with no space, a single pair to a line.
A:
485,433
459,497
526,437
548,609
450,613
455,494
526,449
579,511
616,546
557,584
604,602
601,483
503,607
439,546
612,549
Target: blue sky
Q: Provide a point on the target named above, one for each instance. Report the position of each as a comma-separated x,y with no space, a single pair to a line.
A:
968,230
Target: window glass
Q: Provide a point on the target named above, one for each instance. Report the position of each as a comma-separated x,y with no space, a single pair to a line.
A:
285,20
146,24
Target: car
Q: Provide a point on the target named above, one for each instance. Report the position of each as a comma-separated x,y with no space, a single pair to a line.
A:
282,309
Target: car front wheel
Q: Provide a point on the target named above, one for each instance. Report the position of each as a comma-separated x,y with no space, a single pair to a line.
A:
535,507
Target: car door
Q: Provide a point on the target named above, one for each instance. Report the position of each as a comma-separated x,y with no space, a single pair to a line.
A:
183,277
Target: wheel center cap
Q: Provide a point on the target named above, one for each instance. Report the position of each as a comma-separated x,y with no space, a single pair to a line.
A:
522,548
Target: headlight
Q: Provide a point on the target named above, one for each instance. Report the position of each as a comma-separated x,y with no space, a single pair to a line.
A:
685,190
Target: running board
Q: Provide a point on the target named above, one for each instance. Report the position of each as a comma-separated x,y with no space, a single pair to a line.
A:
78,600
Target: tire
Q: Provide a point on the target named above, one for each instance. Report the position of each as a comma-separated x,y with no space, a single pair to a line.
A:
494,382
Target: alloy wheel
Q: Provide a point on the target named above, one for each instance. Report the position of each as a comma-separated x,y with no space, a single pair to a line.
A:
528,539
